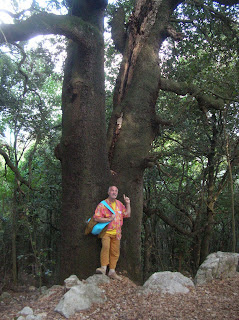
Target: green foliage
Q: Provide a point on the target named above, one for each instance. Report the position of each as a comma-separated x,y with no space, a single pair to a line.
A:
128,6
53,5
186,152
38,212
209,48
30,123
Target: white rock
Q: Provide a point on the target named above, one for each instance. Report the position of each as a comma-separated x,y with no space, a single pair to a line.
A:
168,282
71,281
79,298
218,265
97,279
26,311
21,318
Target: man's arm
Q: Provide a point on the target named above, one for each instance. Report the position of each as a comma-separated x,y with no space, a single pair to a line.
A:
99,215
127,205
98,219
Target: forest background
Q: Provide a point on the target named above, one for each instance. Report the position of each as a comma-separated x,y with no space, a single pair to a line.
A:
164,128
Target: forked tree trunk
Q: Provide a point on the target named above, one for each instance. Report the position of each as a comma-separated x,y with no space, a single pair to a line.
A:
85,171
135,98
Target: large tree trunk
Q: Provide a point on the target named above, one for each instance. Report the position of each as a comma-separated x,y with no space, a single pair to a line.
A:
134,102
83,153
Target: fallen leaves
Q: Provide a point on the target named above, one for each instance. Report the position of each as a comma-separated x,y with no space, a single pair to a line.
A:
216,300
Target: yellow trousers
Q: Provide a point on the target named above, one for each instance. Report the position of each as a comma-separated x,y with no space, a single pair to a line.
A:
110,251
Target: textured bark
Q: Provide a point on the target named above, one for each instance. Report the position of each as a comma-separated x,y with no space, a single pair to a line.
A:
72,27
85,170
134,100
210,194
148,246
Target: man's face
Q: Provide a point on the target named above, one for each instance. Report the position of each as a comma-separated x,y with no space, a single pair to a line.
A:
113,192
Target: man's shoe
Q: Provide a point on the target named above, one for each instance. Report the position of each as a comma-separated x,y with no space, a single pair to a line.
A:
114,276
100,271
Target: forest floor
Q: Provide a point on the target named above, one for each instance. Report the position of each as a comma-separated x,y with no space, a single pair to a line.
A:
216,300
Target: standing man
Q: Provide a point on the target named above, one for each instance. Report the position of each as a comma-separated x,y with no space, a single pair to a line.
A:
110,251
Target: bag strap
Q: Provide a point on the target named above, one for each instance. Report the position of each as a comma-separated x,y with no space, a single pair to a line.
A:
107,206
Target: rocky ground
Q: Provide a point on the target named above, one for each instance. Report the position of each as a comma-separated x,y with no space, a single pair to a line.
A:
216,300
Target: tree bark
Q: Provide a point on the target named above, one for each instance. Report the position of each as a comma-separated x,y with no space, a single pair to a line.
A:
83,153
135,97
148,245
210,196
43,23
232,194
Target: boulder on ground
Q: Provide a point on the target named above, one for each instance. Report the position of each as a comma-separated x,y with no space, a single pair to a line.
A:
168,282
71,282
26,311
218,265
79,298
97,279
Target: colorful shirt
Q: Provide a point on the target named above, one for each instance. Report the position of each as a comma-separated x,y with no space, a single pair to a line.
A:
113,231
120,212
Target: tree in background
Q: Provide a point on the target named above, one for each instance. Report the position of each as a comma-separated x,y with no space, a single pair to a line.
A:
28,88
87,155
192,168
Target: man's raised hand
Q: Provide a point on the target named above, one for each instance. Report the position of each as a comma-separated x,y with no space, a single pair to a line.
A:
126,199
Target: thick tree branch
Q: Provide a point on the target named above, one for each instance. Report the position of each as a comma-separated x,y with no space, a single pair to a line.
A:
14,169
171,223
182,88
72,27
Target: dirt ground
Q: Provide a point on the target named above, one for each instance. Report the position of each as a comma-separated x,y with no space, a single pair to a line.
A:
216,300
